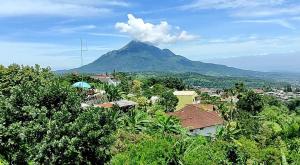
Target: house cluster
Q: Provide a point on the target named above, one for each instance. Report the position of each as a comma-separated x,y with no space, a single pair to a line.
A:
98,98
219,93
282,95
198,118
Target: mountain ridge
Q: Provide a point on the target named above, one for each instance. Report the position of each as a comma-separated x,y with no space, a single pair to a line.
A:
140,57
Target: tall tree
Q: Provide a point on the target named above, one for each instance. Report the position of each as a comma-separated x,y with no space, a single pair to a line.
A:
250,102
169,101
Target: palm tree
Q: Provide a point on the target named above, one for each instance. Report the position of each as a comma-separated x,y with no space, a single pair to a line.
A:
112,92
168,124
136,121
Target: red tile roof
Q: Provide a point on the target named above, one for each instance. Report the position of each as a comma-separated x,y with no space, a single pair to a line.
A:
192,117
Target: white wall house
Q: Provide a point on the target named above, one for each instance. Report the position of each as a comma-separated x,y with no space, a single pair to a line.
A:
206,131
198,120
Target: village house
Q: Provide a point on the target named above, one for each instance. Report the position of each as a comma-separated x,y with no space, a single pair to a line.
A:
199,121
186,97
258,91
125,105
106,79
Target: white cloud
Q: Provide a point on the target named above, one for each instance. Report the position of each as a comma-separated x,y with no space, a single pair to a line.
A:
108,35
147,32
97,2
73,29
226,40
269,11
248,8
227,4
66,8
280,22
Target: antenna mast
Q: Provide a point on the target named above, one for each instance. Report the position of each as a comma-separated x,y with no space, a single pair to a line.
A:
81,56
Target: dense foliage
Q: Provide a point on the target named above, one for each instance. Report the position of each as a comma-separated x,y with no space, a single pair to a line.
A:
204,81
42,122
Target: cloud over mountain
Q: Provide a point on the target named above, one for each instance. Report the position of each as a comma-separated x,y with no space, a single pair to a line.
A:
156,34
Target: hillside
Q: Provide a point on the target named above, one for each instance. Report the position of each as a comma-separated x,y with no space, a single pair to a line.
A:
137,56
196,79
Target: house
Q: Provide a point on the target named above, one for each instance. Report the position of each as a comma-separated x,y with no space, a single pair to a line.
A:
106,79
232,99
125,105
199,121
154,99
186,97
258,91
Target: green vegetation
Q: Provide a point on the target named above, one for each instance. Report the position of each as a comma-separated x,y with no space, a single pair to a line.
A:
42,122
204,81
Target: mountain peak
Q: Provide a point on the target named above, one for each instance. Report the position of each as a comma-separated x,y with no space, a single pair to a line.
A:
139,56
134,44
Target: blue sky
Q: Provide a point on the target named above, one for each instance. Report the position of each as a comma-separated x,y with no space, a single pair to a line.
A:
48,32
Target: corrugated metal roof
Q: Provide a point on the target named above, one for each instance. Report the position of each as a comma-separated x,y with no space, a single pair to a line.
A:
125,103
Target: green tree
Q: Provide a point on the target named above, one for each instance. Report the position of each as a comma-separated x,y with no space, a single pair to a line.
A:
240,87
41,121
169,101
112,92
137,87
136,121
167,125
250,102
288,88
158,90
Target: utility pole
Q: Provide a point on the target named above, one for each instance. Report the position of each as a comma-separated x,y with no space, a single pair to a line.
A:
81,58
81,50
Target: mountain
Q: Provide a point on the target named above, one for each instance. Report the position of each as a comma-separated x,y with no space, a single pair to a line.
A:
141,57
138,56
267,63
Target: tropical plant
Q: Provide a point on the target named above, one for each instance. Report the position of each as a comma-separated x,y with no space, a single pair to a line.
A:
167,125
136,121
112,92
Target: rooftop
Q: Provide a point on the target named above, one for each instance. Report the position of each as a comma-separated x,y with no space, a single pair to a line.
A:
192,117
125,103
